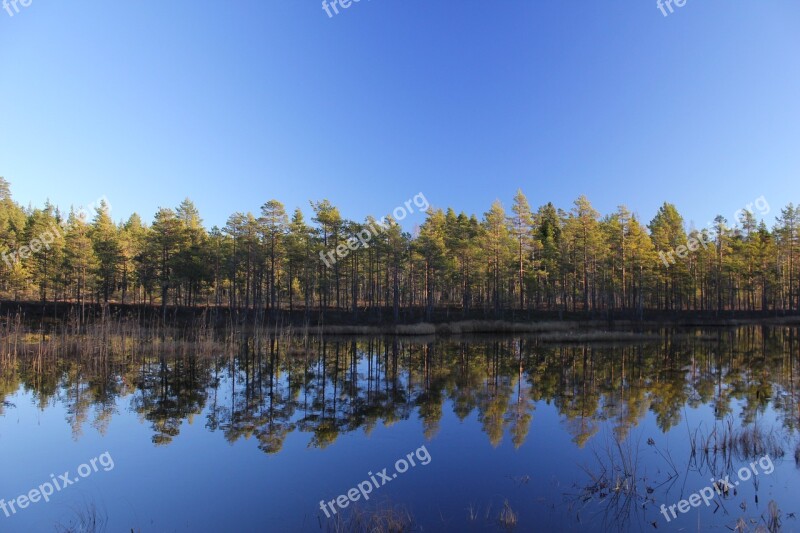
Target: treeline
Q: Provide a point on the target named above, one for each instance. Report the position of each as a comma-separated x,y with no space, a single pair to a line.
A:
526,260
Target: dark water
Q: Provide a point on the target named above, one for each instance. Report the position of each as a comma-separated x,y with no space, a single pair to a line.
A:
568,437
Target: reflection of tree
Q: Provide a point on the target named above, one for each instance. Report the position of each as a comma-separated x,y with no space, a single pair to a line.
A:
519,416
668,394
580,402
467,382
86,388
268,389
77,402
272,434
429,405
9,384
431,400
494,397
170,392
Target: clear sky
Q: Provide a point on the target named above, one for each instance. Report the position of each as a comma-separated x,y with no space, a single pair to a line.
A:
235,103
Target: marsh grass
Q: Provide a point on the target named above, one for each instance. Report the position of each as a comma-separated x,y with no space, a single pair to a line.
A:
725,445
616,485
618,491
43,343
472,513
87,519
507,517
597,336
384,519
463,327
773,517
797,455
547,331
769,521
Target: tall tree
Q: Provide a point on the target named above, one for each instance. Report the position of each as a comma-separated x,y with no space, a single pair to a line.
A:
107,249
497,241
521,229
668,233
273,226
79,258
787,232
165,244
583,232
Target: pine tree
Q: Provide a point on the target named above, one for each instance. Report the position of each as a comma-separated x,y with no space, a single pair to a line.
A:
107,249
521,229
497,245
273,227
668,234
80,261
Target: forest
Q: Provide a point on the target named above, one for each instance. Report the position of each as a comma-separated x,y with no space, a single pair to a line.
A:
547,259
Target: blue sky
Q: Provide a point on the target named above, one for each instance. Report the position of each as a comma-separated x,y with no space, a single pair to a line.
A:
235,103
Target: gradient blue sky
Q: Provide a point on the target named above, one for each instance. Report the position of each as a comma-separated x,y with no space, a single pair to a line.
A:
234,103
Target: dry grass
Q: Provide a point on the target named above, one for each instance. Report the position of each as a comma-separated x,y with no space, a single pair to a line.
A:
773,518
101,337
729,444
402,329
110,332
598,336
507,518
472,513
754,442
616,486
548,331
385,519
499,326
797,455
88,519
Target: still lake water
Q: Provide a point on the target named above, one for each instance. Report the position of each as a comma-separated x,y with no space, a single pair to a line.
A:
571,437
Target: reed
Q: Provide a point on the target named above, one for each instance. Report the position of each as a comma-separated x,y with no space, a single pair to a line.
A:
384,519
507,518
773,518
727,444
616,485
87,519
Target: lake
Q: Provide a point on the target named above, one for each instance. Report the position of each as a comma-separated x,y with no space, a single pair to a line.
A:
483,433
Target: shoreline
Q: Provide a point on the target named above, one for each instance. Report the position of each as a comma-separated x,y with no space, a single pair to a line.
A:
444,322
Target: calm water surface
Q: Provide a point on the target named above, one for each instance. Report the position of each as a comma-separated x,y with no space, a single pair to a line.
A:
571,437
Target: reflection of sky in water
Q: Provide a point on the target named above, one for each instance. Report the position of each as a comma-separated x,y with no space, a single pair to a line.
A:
199,481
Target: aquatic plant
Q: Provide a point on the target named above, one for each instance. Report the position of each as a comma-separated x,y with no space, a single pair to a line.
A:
384,519
797,455
727,444
87,519
615,484
507,518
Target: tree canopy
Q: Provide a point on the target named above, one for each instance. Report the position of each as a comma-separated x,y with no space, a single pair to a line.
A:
547,259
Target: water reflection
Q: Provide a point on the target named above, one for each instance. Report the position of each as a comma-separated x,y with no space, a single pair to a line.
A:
270,388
